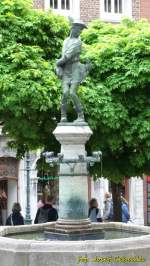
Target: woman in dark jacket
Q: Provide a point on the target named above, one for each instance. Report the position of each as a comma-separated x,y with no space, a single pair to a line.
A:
94,211
15,218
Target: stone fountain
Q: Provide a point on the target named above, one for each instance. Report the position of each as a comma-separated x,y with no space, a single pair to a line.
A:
19,245
73,176
73,179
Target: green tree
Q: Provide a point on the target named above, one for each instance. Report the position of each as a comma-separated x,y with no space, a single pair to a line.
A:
30,42
117,99
115,95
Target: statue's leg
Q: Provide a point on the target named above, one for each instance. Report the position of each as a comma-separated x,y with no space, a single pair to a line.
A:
76,102
65,86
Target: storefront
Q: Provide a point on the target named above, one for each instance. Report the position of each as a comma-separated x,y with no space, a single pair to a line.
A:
8,186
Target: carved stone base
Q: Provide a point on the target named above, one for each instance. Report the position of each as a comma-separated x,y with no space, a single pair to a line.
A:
71,226
73,230
73,177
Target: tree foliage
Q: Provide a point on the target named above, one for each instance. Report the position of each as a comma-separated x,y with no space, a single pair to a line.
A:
115,95
30,41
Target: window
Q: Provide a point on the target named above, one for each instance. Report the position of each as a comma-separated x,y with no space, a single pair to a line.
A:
114,6
118,6
65,4
107,6
114,10
64,7
53,4
62,4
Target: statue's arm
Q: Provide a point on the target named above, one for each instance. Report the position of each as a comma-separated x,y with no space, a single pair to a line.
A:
69,53
61,61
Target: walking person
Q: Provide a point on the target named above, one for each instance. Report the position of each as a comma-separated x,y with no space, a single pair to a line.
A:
108,208
1,221
15,218
125,210
47,213
94,211
41,202
3,204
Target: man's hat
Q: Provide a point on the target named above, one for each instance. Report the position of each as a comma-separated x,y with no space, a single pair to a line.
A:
79,23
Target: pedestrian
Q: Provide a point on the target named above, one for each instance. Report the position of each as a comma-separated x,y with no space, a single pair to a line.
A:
94,212
108,208
41,202
47,213
1,220
15,218
125,210
3,204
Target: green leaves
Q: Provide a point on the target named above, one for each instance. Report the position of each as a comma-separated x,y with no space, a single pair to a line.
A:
116,96
30,42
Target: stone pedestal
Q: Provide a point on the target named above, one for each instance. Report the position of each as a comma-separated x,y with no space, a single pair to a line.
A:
73,181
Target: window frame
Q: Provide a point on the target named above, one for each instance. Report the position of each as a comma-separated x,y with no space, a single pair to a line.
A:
116,16
59,5
74,10
53,4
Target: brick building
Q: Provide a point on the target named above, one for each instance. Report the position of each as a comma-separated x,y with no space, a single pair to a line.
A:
107,10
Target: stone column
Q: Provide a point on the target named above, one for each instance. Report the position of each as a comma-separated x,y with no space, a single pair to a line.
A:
73,180
136,200
22,186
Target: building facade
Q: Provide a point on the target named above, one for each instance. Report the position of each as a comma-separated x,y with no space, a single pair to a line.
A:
107,10
13,180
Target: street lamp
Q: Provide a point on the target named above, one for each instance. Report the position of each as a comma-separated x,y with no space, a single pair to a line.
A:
28,216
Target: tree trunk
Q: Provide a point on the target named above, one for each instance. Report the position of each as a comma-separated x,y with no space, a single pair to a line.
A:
116,202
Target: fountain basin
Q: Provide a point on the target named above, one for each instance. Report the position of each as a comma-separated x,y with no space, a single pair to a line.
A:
21,252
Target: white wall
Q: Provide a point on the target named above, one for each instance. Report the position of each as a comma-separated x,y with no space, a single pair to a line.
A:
76,9
22,186
136,203
98,189
12,194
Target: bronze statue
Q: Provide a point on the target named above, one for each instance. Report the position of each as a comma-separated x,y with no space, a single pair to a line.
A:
71,71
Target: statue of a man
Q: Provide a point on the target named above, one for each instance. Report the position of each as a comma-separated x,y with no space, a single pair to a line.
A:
71,71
